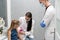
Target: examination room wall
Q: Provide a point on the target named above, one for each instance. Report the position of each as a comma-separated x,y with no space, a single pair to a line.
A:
20,7
58,15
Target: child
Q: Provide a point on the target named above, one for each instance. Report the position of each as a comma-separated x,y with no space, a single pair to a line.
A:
13,33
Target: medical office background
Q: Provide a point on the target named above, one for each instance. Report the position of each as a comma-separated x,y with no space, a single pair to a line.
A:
13,9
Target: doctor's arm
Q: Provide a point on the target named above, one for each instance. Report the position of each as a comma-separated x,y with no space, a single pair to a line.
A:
47,19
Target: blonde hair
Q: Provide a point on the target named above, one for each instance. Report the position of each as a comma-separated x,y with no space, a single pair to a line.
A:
14,22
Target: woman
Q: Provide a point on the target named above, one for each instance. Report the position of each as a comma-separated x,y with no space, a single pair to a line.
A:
27,24
13,33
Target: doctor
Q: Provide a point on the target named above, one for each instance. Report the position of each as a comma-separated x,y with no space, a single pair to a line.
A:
26,26
48,20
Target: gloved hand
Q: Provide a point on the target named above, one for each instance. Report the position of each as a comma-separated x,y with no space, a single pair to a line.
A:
42,24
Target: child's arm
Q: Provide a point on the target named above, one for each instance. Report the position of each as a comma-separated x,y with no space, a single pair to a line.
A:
19,35
9,35
21,31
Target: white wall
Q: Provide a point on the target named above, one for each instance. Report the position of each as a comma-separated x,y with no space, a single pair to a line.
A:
20,7
58,8
58,16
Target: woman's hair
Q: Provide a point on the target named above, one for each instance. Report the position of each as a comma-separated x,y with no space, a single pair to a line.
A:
29,25
14,22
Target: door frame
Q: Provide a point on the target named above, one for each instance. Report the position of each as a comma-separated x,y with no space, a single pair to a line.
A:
8,12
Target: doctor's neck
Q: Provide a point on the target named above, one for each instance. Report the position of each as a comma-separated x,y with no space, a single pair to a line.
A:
46,3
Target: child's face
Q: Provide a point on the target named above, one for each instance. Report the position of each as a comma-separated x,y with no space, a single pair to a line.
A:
15,26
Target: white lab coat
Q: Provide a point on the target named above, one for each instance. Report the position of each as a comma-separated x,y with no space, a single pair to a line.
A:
50,21
23,24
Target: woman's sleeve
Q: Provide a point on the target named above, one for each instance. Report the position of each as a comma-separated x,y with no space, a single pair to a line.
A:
20,19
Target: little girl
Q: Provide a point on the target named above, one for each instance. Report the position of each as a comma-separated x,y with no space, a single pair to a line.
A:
13,33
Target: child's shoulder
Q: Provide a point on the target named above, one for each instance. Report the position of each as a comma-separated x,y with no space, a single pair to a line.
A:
9,31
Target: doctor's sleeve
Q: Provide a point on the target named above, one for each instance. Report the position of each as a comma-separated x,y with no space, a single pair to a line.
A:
47,19
20,20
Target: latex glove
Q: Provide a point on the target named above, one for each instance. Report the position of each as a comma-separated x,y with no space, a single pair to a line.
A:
27,33
42,24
